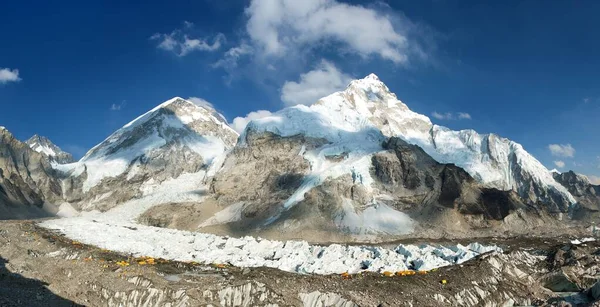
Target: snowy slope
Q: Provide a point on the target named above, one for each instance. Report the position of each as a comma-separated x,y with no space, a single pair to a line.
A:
356,119
44,146
490,159
116,230
175,125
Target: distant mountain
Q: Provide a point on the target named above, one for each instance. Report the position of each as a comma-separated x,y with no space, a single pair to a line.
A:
44,146
586,193
176,137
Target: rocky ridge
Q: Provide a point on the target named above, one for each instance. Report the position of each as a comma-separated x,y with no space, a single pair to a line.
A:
28,184
44,146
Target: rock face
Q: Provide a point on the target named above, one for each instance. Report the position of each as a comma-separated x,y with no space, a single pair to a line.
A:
44,146
587,194
27,180
174,138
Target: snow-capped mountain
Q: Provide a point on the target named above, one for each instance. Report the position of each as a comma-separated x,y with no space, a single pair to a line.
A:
367,108
44,146
492,160
175,137
332,166
356,162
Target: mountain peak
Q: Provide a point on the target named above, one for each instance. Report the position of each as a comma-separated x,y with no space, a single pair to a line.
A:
164,123
371,76
181,106
44,146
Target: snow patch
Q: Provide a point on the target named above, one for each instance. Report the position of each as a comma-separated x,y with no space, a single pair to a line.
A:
577,241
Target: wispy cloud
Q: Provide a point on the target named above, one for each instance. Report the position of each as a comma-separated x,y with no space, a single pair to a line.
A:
232,56
201,102
559,164
181,43
118,106
562,150
9,75
594,179
240,123
451,116
325,79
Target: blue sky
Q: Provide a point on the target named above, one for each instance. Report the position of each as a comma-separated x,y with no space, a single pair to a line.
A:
528,70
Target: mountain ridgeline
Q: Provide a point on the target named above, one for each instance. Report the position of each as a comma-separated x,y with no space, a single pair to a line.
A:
357,164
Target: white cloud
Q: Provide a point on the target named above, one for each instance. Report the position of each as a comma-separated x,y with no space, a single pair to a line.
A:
232,56
451,116
279,27
325,79
182,44
8,75
201,102
239,123
462,115
559,164
562,150
594,179
118,106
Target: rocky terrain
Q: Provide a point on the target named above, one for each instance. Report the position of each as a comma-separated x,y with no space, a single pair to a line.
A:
39,267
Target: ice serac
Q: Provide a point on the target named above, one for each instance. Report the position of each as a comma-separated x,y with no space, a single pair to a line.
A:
28,187
44,146
174,138
492,160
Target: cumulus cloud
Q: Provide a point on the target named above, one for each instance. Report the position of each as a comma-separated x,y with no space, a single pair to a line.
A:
559,164
279,26
181,44
240,123
451,116
201,102
9,75
562,150
325,79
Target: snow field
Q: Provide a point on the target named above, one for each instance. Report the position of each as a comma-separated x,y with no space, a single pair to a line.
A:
290,256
